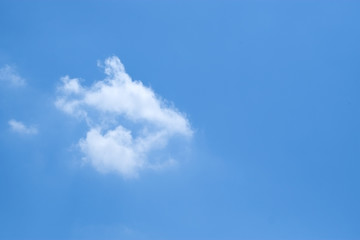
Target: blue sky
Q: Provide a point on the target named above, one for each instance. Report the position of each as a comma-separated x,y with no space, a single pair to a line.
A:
245,124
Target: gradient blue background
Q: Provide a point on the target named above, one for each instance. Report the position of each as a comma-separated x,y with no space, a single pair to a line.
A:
270,87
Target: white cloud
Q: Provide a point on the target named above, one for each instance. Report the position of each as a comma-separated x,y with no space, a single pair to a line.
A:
19,127
127,121
9,74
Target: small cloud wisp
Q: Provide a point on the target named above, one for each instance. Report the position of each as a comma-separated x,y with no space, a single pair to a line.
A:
21,128
9,74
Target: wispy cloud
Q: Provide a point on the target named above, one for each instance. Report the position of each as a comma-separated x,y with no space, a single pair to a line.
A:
9,74
127,121
19,127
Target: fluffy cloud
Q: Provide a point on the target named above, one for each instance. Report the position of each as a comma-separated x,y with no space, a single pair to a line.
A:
9,74
19,127
127,121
